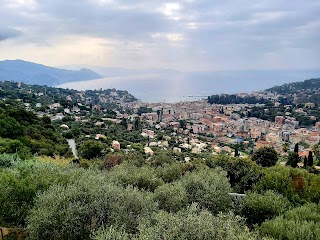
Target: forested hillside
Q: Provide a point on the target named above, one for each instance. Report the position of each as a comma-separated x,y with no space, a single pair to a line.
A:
300,92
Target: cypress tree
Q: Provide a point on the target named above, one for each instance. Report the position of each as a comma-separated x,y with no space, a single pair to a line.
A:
305,162
310,159
236,152
296,148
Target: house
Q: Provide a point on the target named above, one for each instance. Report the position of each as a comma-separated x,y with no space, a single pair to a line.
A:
64,127
55,106
148,151
115,145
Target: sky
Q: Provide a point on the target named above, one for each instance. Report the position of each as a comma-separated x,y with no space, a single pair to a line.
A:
186,35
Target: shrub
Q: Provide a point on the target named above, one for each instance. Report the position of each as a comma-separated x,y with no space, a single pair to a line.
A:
111,233
297,185
21,184
301,223
171,197
242,173
281,228
7,160
256,208
170,172
289,182
141,177
209,188
193,224
72,212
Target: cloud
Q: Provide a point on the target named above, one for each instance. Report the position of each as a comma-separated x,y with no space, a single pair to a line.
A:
6,33
183,34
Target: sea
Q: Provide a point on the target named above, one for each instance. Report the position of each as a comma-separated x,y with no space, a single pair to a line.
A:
179,87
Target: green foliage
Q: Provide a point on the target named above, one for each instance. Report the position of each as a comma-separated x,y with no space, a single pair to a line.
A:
111,233
293,159
256,208
7,160
170,172
91,149
266,156
141,177
162,159
26,134
10,128
171,197
297,224
209,188
241,172
296,184
72,212
194,224
20,185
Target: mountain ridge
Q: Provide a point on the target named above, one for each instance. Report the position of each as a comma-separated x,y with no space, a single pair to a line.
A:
34,73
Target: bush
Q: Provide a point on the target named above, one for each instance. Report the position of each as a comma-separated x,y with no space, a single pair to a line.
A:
171,197
297,185
7,160
281,228
21,184
144,178
72,212
301,223
111,233
256,208
242,173
193,224
170,172
209,188
266,156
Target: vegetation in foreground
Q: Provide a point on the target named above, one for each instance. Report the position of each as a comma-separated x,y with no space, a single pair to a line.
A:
160,198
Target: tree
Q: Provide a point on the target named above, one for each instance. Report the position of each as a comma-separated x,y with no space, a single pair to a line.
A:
236,152
91,149
242,172
256,208
266,156
73,211
208,187
285,147
171,197
193,223
296,148
293,159
305,162
315,150
310,159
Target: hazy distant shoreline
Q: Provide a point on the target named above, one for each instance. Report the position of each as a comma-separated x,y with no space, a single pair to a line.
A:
180,86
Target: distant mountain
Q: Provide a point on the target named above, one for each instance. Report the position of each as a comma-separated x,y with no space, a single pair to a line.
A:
33,73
